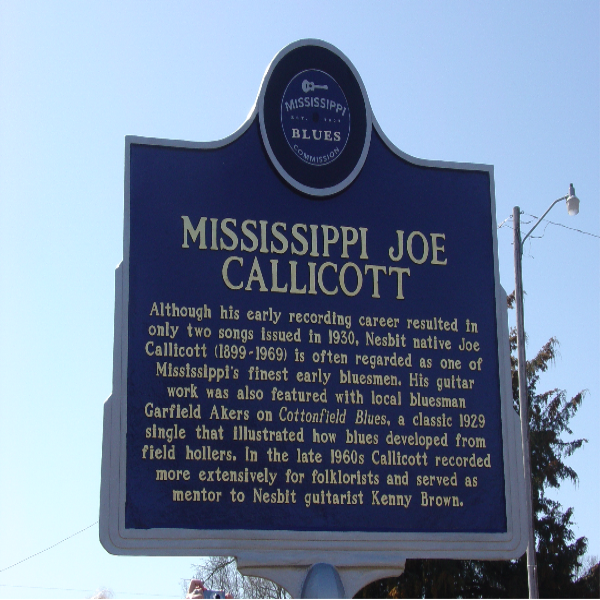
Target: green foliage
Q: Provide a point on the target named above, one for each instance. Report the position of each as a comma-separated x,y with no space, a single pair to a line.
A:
559,554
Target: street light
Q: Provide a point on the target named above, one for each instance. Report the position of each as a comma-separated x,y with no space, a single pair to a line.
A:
573,209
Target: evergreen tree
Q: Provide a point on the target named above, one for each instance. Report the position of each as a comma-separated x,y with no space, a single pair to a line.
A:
559,554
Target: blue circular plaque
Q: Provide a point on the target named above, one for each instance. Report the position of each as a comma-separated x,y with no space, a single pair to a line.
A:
315,117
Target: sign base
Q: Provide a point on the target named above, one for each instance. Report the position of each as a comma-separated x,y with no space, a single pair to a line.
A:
320,580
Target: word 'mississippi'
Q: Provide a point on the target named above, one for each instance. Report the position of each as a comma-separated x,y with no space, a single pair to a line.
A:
313,241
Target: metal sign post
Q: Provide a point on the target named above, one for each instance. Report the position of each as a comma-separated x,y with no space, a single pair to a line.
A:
311,356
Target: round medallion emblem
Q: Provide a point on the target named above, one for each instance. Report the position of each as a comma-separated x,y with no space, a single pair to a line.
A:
315,117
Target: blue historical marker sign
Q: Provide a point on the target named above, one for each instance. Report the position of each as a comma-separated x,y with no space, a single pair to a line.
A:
311,348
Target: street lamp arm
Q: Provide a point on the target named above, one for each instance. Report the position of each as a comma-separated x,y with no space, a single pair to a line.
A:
542,217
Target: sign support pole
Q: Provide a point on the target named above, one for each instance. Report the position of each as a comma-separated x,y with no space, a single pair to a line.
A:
323,581
523,403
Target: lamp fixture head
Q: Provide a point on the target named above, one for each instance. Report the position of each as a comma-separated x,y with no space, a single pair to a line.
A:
572,201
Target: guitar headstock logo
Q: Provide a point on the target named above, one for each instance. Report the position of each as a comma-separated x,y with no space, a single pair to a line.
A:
315,117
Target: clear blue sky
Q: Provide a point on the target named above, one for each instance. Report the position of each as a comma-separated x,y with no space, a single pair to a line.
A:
511,84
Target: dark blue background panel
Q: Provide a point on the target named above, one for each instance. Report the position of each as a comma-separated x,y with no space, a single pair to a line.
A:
352,489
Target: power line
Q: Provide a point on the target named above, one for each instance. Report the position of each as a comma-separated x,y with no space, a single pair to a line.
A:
505,224
565,226
49,547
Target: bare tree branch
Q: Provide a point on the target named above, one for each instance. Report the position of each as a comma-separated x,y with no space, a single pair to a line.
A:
220,573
